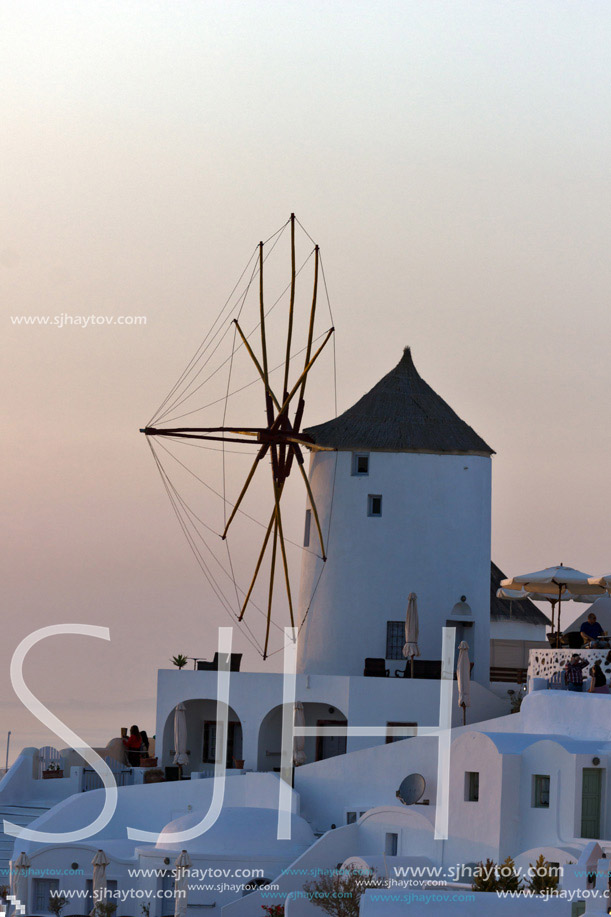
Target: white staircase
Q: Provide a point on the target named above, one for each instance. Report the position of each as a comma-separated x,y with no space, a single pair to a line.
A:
19,815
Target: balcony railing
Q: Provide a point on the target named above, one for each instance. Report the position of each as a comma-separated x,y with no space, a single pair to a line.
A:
544,663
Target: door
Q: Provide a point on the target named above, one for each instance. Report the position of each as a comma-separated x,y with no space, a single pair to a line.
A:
234,742
330,746
591,793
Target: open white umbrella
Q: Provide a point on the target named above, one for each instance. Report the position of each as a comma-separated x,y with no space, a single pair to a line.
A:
558,581
299,756
19,880
181,884
604,581
410,648
519,595
180,735
99,863
463,677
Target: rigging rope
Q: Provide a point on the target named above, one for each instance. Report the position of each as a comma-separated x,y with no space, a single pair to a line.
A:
186,394
183,390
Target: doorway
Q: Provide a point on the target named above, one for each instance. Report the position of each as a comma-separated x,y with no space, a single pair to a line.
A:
329,746
591,798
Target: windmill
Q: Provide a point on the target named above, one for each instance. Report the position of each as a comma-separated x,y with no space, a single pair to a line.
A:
280,438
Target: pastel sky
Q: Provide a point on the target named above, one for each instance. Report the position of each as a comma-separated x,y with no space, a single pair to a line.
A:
452,161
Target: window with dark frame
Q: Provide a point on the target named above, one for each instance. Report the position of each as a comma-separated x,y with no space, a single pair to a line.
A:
393,738
360,464
391,844
471,786
395,639
540,794
374,504
42,893
111,885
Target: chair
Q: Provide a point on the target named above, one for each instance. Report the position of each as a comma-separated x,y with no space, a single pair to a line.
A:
234,663
573,640
423,668
375,668
557,682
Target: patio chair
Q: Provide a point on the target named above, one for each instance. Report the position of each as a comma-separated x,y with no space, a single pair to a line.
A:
234,663
557,682
573,640
375,668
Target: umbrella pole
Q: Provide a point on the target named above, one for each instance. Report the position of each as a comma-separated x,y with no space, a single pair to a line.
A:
558,622
553,604
411,666
464,714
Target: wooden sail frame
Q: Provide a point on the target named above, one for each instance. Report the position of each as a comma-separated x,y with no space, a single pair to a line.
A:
282,437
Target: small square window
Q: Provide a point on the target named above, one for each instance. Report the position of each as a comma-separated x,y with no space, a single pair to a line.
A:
360,463
391,844
374,505
308,524
540,794
472,786
350,818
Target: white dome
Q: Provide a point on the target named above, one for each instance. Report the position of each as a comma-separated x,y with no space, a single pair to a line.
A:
240,831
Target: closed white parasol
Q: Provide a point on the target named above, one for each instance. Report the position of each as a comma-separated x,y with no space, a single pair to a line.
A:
19,880
180,735
99,863
299,756
181,884
463,677
410,648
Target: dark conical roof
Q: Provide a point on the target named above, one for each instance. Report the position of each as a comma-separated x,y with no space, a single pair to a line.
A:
400,414
511,609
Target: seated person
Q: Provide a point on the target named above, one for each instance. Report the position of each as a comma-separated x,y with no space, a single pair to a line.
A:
593,635
133,745
598,685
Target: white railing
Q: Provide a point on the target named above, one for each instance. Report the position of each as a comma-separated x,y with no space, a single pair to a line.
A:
124,776
545,663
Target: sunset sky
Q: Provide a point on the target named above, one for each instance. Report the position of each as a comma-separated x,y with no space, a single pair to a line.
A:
452,161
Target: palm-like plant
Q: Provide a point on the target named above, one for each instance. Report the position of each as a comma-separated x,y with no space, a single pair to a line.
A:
179,661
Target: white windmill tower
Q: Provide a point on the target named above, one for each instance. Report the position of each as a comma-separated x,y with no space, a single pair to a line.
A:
405,499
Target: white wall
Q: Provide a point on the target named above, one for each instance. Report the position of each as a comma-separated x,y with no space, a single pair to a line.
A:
364,701
433,538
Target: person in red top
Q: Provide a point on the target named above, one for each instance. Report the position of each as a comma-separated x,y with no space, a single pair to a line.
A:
133,745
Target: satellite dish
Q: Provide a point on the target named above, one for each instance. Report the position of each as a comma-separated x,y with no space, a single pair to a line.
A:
411,789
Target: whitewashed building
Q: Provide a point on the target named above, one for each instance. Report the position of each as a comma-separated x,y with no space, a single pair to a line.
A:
404,498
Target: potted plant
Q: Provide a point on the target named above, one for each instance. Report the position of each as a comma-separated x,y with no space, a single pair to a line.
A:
57,903
53,771
179,661
104,909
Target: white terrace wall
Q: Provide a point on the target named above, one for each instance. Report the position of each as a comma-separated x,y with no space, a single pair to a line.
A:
253,696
